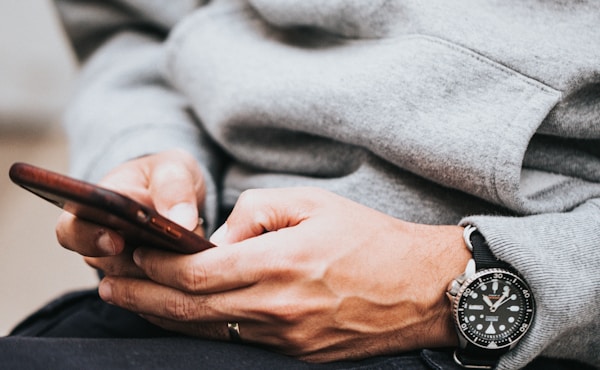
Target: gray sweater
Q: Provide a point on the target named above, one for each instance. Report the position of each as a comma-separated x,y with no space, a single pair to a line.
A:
438,112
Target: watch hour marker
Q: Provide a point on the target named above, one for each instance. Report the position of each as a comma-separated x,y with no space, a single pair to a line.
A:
490,329
513,308
511,319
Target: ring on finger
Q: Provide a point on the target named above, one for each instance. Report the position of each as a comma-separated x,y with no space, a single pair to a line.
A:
234,332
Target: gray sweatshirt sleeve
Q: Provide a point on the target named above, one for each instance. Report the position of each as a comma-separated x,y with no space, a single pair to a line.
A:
122,107
564,277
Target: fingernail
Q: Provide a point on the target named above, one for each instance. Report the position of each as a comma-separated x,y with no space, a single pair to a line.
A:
136,257
218,237
106,244
105,291
184,214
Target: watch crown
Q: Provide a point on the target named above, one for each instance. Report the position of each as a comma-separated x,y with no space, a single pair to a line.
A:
453,288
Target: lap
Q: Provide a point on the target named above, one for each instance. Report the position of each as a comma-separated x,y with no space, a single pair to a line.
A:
79,330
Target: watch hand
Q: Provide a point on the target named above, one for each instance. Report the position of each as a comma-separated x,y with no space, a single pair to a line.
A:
501,300
487,301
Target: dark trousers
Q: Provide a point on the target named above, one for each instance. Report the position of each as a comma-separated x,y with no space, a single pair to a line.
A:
80,331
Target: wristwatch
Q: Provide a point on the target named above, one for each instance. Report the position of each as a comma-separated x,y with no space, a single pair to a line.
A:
492,306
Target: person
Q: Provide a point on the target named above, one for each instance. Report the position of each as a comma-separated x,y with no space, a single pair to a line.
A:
336,152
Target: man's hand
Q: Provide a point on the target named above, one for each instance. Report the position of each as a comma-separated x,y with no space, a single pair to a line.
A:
307,273
171,182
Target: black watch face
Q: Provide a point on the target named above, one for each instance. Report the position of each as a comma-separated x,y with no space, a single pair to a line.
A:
494,308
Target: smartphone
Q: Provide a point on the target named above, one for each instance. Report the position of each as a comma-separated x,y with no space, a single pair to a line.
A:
138,224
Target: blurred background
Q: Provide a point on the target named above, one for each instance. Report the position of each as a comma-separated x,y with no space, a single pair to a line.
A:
36,76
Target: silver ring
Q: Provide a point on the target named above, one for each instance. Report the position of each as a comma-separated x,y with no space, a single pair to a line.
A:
234,331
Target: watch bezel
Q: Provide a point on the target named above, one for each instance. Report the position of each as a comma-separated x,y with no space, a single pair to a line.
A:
524,322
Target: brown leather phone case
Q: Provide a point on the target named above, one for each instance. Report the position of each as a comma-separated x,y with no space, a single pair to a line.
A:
140,225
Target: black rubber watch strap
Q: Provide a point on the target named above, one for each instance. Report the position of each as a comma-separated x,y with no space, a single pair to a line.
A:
478,358
482,255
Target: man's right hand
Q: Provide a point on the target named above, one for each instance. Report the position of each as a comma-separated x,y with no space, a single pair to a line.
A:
170,181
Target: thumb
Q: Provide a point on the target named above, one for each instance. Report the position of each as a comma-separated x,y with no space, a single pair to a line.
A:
184,214
263,210
175,193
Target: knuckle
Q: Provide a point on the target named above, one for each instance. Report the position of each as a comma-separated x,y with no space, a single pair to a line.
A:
178,307
284,266
290,314
297,340
247,197
170,174
193,278
128,298
174,165
287,311
255,204
151,267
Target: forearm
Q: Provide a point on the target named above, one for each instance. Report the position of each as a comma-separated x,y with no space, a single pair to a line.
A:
559,255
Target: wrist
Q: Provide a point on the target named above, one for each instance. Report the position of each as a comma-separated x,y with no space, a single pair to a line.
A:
445,259
456,258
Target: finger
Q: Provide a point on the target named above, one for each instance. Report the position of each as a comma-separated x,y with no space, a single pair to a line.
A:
176,187
261,210
205,315
130,179
194,314
231,267
119,265
149,298
87,238
228,267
